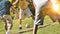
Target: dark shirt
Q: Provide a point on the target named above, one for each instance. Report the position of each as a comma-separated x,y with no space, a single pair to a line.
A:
5,7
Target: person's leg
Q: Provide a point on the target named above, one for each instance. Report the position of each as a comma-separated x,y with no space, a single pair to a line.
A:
8,23
38,13
20,18
20,23
38,21
5,24
35,29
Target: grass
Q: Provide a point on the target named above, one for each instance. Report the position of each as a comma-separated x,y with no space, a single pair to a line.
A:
47,30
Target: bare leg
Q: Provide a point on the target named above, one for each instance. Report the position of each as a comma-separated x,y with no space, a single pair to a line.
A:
20,24
8,23
5,25
38,13
35,29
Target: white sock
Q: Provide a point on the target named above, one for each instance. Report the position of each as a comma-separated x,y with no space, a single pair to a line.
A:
8,32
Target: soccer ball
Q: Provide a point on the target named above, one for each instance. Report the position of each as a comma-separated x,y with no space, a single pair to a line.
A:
27,25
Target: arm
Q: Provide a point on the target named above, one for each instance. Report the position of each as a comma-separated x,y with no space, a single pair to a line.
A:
16,2
14,10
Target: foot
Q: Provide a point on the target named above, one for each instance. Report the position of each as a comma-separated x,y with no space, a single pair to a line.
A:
20,27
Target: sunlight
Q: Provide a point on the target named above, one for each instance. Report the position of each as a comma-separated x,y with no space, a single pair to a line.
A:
55,5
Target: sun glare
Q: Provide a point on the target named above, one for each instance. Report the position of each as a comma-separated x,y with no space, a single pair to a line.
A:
55,5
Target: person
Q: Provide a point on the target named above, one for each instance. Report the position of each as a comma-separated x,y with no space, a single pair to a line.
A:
39,17
5,6
24,11
15,4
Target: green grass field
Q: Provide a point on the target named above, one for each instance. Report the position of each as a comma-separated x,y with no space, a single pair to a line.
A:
47,30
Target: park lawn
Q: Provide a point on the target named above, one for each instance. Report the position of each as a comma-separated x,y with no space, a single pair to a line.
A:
46,30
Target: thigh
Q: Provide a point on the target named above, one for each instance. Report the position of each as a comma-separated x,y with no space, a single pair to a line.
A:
22,14
7,18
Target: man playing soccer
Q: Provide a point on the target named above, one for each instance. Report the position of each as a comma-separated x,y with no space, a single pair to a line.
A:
38,4
5,6
24,11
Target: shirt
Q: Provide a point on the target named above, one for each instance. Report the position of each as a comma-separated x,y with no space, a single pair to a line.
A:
5,7
23,4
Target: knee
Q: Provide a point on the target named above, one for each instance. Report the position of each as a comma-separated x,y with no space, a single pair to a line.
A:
4,17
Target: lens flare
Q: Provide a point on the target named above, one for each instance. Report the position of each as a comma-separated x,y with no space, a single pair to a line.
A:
55,5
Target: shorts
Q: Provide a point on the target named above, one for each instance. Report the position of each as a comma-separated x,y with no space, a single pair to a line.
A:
7,18
24,13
